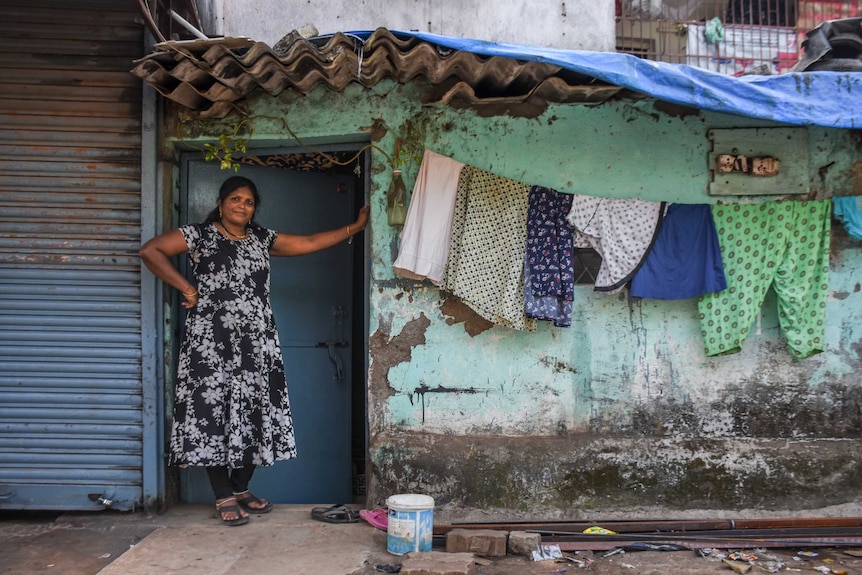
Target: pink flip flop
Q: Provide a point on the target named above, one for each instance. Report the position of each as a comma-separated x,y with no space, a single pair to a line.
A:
378,518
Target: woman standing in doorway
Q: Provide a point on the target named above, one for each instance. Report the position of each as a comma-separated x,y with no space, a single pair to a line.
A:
232,412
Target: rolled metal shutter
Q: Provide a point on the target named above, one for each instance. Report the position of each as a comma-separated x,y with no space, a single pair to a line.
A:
70,208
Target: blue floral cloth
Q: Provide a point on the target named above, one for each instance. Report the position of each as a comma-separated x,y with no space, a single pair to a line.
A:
549,265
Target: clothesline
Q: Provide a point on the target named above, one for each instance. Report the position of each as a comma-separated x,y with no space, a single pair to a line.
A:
506,248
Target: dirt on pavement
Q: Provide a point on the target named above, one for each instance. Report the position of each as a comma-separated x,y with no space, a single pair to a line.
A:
835,561
83,544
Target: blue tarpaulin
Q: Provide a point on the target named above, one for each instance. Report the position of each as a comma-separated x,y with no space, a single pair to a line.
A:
828,99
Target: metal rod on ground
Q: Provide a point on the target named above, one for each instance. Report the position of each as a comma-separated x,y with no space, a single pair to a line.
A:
599,545
784,533
626,526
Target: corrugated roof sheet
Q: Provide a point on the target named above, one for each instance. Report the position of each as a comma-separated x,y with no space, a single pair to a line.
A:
211,77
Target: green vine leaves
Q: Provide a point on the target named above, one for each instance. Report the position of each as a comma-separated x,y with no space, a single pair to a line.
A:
228,146
224,151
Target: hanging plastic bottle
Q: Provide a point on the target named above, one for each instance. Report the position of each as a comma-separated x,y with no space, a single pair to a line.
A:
396,200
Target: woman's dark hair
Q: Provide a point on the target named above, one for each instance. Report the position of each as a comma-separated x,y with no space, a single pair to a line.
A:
227,188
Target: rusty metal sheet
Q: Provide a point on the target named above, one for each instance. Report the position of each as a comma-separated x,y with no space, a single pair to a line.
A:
70,299
195,74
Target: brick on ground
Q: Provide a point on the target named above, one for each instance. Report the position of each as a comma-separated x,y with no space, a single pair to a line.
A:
523,543
484,542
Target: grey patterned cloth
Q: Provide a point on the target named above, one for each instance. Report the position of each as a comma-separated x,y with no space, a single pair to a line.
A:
621,231
231,403
485,267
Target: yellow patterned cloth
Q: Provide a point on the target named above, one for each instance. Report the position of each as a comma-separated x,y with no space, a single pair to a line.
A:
485,267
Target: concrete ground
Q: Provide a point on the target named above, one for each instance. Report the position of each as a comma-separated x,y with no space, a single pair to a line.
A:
190,540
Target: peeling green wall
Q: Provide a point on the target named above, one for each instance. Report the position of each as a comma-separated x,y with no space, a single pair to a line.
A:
453,400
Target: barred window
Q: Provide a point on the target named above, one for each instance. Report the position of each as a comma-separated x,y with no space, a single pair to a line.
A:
586,264
731,37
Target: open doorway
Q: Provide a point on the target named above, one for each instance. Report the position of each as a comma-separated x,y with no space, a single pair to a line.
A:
320,304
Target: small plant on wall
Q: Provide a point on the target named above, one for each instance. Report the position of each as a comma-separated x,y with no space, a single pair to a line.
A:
228,146
224,151
410,146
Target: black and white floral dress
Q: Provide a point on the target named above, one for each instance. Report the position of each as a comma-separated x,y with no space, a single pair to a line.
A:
231,401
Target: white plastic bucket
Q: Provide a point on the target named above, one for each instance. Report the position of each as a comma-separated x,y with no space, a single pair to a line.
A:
410,523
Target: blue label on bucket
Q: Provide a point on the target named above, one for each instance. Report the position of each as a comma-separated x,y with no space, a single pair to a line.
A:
409,531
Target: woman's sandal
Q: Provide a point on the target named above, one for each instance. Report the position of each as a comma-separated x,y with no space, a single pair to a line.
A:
379,517
253,504
228,506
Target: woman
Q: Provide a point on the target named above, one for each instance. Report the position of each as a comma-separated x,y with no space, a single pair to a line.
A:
232,412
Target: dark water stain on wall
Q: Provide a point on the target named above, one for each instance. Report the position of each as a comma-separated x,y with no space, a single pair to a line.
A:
423,390
571,476
510,108
675,110
780,410
706,480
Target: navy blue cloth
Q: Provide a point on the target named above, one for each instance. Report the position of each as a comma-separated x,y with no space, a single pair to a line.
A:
549,264
685,260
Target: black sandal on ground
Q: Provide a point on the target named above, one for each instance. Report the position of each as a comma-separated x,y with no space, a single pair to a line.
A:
338,513
228,506
262,506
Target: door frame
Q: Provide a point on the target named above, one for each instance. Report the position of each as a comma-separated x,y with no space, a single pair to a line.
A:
360,264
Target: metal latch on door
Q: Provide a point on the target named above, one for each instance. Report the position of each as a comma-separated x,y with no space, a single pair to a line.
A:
336,340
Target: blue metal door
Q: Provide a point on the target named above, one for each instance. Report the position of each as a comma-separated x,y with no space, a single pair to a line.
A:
311,298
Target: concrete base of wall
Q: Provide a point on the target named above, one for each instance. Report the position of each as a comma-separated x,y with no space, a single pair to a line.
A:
489,478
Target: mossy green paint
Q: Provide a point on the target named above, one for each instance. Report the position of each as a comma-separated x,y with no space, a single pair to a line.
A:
624,368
